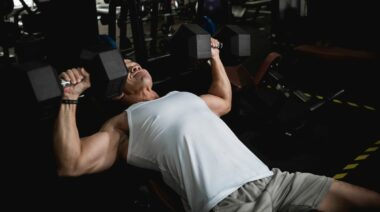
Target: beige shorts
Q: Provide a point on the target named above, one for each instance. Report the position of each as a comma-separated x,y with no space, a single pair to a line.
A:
283,191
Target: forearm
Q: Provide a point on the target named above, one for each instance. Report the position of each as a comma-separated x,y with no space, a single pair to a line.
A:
220,85
67,145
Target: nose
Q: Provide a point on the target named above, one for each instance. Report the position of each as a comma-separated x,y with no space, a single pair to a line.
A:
135,68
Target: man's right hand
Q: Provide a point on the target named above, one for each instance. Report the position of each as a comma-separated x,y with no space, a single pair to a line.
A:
79,81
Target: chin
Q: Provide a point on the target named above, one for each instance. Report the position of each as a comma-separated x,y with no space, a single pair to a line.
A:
147,81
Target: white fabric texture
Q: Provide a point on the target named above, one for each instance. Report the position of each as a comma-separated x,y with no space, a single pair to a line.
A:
197,153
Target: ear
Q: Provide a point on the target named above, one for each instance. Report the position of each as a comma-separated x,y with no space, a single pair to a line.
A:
118,97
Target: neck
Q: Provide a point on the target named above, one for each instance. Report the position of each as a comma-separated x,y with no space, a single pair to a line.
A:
148,94
143,95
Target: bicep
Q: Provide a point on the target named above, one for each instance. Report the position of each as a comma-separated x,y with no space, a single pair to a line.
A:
216,104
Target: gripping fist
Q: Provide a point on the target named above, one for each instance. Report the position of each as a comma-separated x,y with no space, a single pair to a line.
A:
78,80
215,48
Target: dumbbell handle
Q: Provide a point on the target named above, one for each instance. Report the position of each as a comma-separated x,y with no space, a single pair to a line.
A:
220,46
65,83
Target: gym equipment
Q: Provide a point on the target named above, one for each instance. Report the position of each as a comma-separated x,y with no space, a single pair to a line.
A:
9,30
43,80
236,43
40,88
161,9
190,47
265,96
208,24
240,77
186,47
33,18
110,12
218,10
190,40
31,44
249,10
168,16
329,98
107,69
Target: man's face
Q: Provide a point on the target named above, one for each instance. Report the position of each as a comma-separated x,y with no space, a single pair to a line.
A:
137,79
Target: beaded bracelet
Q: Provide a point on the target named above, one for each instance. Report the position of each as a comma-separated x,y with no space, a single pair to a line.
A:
70,101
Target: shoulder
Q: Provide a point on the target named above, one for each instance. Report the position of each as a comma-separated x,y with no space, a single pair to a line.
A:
118,122
182,93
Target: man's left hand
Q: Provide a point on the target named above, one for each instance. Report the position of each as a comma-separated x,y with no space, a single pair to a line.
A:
214,48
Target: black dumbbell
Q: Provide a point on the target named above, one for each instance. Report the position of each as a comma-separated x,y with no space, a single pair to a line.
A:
40,86
107,70
236,43
190,41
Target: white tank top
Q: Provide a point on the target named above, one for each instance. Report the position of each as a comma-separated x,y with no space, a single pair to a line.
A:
197,153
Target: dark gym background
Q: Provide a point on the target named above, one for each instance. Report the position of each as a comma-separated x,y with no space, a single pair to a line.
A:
326,46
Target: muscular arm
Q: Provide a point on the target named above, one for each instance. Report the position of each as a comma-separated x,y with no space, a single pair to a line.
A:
77,156
219,94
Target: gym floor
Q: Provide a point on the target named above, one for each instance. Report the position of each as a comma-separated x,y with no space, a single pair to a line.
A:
341,139
346,148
